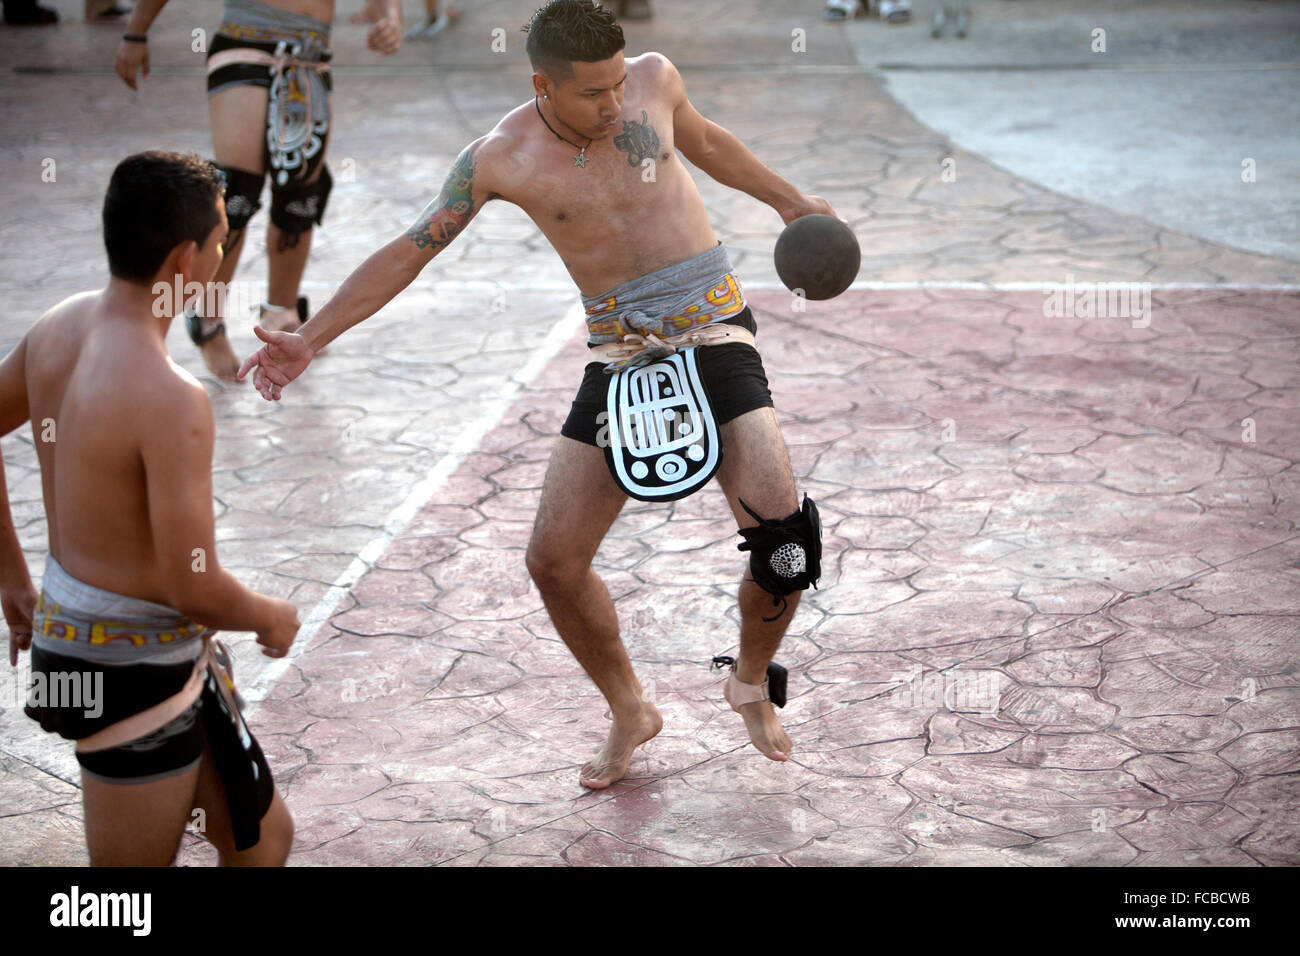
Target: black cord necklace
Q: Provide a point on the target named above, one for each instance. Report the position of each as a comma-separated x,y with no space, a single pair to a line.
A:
578,160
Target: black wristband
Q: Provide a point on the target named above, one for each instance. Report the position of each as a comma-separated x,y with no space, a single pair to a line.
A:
135,38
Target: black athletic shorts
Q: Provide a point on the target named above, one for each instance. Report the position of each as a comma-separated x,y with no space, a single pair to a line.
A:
175,748
733,378
127,690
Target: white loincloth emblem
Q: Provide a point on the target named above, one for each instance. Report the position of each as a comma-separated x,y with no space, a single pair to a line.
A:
293,137
663,439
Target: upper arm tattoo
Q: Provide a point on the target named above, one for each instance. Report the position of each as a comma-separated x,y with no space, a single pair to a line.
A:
444,218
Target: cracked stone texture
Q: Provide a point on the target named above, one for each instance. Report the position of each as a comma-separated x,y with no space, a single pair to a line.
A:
1057,622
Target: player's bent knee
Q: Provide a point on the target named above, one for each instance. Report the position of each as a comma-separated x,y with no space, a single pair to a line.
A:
243,195
552,571
297,207
785,555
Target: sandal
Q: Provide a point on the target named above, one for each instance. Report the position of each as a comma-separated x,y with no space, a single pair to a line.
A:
738,693
895,11
430,26
842,9
267,309
194,326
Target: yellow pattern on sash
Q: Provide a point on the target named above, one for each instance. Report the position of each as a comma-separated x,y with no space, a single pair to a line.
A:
721,302
105,632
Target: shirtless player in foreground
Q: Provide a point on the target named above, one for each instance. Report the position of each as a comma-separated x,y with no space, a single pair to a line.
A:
132,583
575,160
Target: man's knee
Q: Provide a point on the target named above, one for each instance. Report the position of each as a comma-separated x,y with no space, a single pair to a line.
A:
784,554
243,196
297,207
551,570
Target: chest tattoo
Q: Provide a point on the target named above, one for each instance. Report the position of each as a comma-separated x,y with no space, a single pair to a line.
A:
638,140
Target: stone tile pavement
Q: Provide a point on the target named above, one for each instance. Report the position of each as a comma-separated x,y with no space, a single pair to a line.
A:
1058,621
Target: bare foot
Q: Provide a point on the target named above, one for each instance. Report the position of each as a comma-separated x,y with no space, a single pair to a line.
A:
220,358
610,765
765,731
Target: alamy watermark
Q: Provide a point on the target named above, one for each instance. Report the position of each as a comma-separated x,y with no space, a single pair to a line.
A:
645,429
957,690
1099,300
209,299
63,690
77,909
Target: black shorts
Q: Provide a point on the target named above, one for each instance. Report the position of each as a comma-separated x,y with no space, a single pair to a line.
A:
127,690
176,747
733,378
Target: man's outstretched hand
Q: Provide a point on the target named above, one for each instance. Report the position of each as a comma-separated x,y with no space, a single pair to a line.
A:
282,359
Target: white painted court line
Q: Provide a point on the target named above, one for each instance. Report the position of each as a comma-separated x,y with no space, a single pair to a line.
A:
866,286
417,498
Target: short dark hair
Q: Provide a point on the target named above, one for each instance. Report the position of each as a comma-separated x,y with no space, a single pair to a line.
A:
565,31
156,201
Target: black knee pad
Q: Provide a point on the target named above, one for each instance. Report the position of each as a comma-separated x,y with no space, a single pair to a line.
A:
785,555
296,207
243,192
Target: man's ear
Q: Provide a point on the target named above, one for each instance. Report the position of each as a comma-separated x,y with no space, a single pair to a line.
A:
541,85
187,257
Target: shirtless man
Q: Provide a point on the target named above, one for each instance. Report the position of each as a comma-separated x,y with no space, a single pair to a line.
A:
592,161
124,440
262,123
